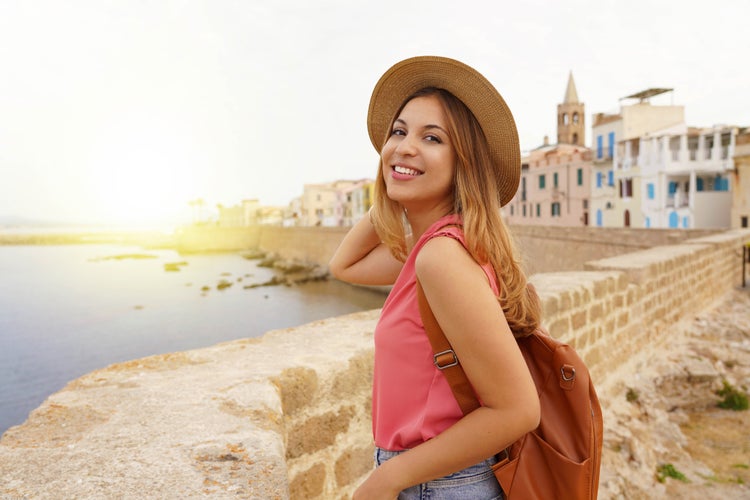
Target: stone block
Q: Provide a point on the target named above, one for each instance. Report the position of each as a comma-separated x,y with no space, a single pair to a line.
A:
353,464
579,320
318,432
596,312
297,388
558,328
309,484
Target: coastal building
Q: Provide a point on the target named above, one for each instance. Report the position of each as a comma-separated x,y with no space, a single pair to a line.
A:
740,216
556,178
603,193
685,175
354,201
616,193
337,203
242,215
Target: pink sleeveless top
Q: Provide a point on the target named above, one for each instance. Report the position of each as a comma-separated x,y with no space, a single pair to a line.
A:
411,399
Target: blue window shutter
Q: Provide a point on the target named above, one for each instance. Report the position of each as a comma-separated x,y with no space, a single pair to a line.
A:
599,146
650,189
674,220
611,177
599,217
611,145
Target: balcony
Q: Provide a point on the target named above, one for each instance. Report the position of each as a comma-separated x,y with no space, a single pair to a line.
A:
677,200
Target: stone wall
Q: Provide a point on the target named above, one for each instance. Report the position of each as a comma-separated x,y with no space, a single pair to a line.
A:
557,248
287,416
217,239
310,244
546,248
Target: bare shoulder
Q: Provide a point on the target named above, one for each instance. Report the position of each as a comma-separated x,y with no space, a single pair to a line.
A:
444,258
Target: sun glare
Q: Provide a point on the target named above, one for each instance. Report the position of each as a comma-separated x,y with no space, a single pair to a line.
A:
142,176
142,193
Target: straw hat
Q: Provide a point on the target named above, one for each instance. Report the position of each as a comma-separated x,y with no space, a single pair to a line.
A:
474,90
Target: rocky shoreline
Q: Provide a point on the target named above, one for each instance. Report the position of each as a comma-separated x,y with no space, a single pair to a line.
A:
289,272
665,436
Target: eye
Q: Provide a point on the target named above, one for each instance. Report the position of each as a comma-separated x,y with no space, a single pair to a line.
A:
433,138
398,131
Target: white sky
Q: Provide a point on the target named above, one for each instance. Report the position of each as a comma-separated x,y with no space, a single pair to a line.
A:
122,111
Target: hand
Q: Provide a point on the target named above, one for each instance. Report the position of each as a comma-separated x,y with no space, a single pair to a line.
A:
375,487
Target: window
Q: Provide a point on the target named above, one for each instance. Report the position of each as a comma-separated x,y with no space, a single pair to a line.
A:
599,176
626,188
611,145
599,147
538,209
579,174
599,217
541,181
554,179
685,222
611,178
575,117
743,221
524,210
650,191
566,119
556,209
648,222
673,218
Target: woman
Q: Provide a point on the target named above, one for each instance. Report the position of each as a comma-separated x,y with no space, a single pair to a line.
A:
449,159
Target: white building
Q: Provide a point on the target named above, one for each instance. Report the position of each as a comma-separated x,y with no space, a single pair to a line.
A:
615,193
685,176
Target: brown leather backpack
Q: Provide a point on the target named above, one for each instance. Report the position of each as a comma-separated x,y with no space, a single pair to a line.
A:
561,458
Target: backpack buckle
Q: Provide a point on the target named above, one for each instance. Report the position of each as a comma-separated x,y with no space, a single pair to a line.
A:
445,359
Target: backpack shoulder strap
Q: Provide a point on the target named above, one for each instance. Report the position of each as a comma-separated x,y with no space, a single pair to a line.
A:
445,358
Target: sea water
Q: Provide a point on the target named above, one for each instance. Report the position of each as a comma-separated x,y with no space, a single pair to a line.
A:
66,310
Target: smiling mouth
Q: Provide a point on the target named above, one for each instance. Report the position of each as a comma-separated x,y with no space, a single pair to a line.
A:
406,170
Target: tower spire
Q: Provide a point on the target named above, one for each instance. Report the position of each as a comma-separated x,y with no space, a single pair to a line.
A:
571,128
571,95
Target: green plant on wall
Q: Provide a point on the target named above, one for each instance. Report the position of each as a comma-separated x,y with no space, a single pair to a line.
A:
734,399
663,471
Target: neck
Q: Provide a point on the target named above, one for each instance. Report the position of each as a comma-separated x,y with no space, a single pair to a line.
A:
422,218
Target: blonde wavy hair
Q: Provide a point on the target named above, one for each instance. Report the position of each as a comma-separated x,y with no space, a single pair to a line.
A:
476,200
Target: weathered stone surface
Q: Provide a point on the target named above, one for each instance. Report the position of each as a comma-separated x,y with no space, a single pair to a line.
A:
207,422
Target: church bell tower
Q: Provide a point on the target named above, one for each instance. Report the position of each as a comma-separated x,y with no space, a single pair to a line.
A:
571,128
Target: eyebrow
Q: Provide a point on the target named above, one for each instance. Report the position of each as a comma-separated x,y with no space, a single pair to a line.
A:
426,127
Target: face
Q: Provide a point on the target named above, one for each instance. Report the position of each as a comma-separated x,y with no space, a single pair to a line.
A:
418,158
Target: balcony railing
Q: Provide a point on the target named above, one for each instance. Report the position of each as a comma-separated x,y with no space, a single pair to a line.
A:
677,200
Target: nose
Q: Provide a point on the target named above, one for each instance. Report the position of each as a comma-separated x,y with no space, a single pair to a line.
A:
406,146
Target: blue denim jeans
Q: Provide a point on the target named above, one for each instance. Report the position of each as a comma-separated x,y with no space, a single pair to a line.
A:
473,483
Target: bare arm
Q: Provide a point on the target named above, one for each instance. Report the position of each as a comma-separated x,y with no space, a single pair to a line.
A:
473,321
362,259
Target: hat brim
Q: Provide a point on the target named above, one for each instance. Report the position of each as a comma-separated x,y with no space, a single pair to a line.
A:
410,75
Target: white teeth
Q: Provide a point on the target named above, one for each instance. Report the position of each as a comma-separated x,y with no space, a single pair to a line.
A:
406,171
